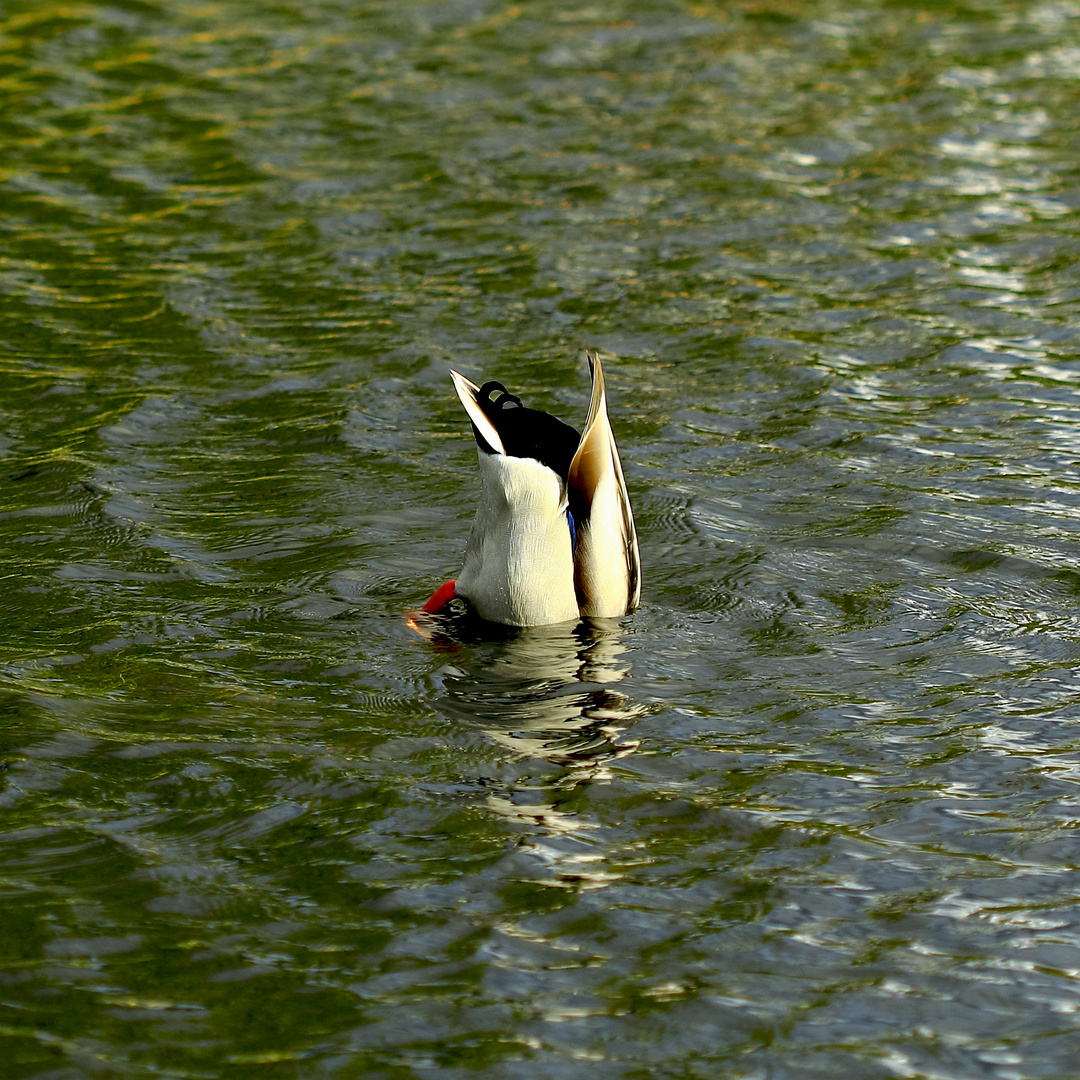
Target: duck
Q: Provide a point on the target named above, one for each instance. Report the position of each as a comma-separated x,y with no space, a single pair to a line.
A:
554,538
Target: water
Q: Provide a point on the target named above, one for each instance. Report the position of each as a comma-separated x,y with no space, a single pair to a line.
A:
811,811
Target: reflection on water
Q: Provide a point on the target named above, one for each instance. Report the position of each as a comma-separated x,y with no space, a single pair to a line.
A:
547,693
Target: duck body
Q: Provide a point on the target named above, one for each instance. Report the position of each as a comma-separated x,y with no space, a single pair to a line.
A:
519,560
553,538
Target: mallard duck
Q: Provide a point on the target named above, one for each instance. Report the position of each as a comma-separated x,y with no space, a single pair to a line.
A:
554,538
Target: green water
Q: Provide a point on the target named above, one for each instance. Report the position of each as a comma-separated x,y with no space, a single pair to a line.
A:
811,811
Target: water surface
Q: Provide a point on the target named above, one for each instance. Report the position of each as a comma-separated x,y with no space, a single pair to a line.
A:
811,811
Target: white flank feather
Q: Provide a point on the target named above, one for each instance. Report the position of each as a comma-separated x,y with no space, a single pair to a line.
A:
519,563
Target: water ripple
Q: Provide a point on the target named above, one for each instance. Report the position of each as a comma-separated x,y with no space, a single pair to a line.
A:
811,808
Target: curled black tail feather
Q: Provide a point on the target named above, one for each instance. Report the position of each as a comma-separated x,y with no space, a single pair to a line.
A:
526,433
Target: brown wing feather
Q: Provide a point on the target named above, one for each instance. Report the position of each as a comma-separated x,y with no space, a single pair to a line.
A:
607,565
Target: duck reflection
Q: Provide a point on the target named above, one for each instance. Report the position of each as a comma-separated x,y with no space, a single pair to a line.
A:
544,693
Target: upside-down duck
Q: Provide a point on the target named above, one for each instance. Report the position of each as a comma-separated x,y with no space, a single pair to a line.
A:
554,536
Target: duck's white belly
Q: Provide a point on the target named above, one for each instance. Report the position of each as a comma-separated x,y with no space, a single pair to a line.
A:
519,562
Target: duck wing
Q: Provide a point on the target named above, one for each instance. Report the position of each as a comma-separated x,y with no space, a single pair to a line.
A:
607,567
